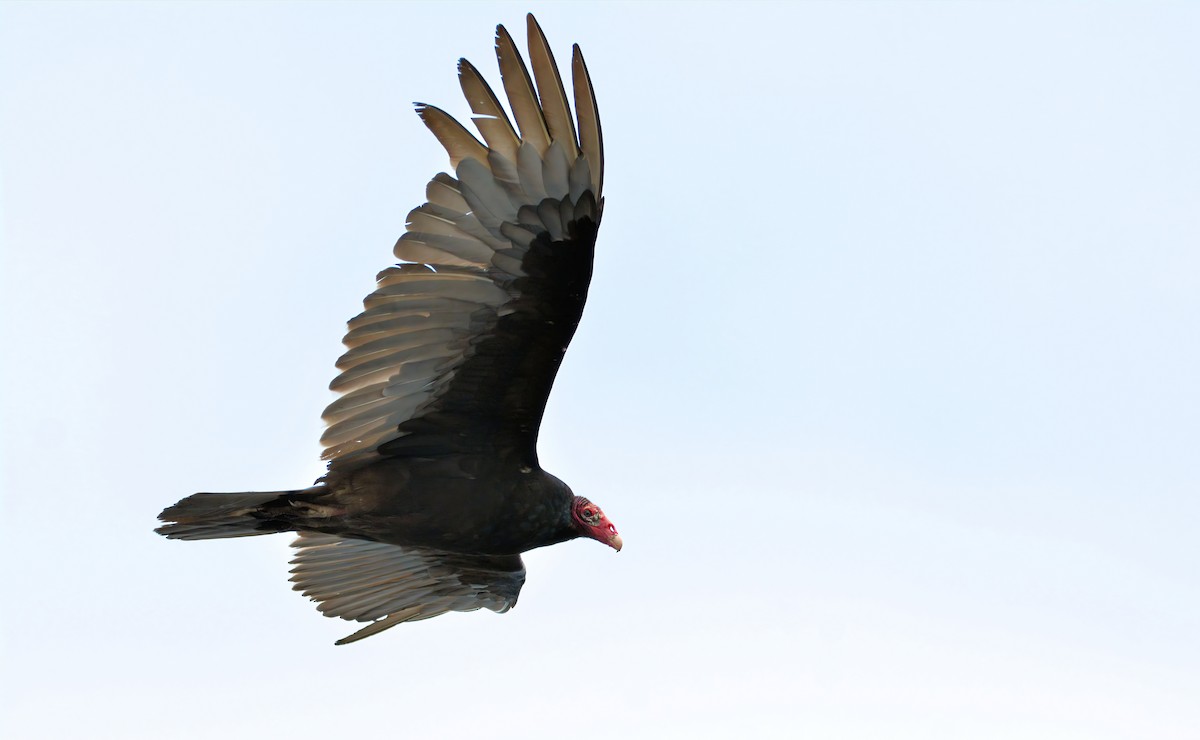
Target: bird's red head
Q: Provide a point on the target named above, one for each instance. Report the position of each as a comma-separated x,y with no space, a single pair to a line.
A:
591,522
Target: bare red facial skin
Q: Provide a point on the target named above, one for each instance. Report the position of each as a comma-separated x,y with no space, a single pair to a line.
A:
592,522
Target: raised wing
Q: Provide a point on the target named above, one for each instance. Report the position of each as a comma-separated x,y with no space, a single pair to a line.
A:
385,585
457,351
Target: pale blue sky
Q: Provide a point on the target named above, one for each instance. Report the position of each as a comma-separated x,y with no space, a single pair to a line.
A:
888,374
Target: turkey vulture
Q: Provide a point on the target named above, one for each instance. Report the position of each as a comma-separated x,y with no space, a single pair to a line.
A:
433,488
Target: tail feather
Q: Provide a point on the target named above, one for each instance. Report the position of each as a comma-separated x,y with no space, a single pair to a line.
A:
208,516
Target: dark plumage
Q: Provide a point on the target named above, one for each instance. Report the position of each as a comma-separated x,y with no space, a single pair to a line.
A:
434,488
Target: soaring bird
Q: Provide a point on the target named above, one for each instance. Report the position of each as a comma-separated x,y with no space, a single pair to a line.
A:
433,488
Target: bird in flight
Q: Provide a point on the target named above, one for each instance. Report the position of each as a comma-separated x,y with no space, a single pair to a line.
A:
433,488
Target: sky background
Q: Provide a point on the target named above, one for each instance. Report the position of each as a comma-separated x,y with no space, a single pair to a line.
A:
888,375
